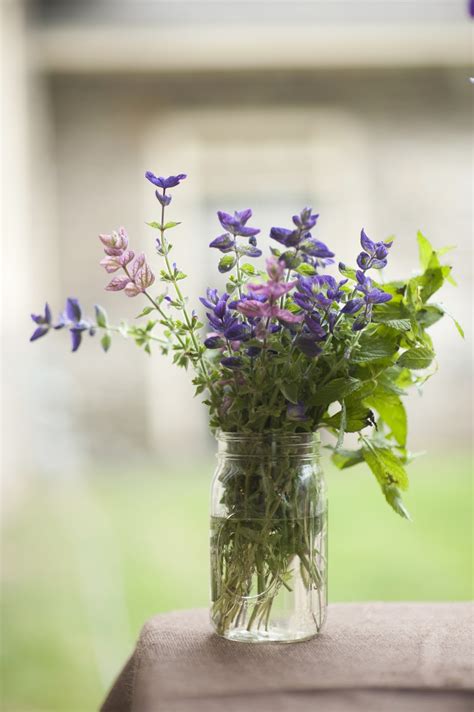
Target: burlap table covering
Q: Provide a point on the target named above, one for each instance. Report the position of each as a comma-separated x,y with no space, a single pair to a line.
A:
378,657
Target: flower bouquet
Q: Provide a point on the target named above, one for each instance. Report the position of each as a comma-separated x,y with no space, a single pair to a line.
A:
289,350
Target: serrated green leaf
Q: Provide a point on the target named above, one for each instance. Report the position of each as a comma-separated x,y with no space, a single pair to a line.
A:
375,346
105,342
389,473
226,263
100,316
385,465
418,357
394,498
335,390
392,411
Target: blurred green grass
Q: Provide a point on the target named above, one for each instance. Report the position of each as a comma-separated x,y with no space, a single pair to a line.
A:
86,561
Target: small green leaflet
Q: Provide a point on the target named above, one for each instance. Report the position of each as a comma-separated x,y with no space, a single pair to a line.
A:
248,269
226,263
145,312
106,341
418,357
306,269
159,226
100,316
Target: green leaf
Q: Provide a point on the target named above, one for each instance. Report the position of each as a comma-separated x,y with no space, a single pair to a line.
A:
389,472
248,269
226,263
358,416
392,312
145,312
155,225
306,269
290,391
100,316
429,315
347,271
392,411
425,250
394,498
432,280
375,346
343,459
105,342
418,357
385,465
335,390
170,224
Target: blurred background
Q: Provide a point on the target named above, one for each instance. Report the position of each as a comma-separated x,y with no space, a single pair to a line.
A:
360,108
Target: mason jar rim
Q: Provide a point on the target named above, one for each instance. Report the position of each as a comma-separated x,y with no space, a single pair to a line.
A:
225,436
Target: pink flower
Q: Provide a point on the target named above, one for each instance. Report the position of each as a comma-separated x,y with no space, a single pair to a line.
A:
117,284
116,243
112,264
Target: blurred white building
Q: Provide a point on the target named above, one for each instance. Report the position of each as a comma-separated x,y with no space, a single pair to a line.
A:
361,109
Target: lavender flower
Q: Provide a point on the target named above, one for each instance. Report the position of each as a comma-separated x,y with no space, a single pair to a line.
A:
72,319
227,327
164,184
296,412
43,321
236,224
312,251
374,254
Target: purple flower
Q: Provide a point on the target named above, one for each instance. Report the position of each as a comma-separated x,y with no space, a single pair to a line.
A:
165,183
315,248
224,243
236,224
162,198
305,220
72,318
353,306
232,362
227,327
318,292
43,321
374,254
288,238
372,295
211,298
296,412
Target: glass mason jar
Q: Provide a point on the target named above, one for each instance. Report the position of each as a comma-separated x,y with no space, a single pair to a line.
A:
268,538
